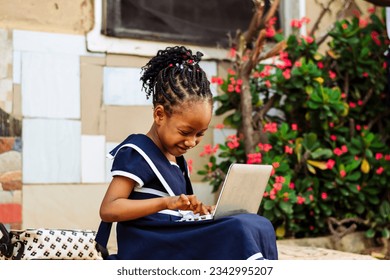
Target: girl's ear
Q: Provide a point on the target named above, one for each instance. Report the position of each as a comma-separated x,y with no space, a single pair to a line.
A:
159,114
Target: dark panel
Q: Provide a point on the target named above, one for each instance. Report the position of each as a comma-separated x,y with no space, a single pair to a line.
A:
204,22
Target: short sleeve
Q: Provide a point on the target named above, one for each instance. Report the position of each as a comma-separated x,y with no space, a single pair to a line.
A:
129,163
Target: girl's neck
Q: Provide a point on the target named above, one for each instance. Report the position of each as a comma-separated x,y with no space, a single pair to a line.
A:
152,134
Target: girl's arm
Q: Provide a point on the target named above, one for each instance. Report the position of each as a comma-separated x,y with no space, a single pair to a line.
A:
117,207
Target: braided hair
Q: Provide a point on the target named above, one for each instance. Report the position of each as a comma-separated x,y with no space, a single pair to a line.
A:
174,76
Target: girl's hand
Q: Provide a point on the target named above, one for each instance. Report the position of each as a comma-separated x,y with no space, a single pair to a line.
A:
197,206
188,202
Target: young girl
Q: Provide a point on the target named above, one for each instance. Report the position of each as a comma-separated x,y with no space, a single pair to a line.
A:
151,184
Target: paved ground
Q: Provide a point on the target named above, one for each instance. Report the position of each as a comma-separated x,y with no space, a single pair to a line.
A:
294,252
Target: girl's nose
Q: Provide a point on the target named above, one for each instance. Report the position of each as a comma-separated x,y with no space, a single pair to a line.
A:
190,142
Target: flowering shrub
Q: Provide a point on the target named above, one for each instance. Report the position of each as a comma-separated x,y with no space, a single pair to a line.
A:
328,139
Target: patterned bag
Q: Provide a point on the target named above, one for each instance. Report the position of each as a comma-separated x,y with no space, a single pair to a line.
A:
53,244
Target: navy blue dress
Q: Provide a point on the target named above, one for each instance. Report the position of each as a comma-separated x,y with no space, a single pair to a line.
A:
160,236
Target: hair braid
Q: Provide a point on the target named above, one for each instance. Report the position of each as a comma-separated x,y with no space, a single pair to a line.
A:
174,76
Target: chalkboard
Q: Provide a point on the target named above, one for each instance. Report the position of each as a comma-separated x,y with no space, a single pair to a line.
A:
201,22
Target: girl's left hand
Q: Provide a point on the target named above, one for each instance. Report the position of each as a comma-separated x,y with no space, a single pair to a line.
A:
197,206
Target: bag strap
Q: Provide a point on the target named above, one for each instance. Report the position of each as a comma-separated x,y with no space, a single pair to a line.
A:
7,247
101,238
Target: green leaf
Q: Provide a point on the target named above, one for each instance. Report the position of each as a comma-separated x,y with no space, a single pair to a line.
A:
385,233
322,152
286,207
384,209
352,166
370,233
269,204
354,176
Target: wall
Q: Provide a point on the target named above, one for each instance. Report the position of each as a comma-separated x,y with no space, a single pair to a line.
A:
67,96
77,104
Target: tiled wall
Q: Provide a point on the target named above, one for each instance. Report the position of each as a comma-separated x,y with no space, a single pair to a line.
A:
73,106
10,182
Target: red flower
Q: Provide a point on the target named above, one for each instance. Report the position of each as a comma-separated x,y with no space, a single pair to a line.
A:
330,163
233,142
320,64
362,23
288,150
232,52
216,80
231,71
275,164
333,137
291,185
264,147
308,39
287,74
374,37
209,150
277,186
378,156
324,195
332,74
270,32
296,23
272,21
298,64
337,151
343,173
254,158
380,170
294,126
300,199
280,179
270,127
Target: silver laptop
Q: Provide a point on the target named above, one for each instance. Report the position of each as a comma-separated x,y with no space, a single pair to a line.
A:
242,192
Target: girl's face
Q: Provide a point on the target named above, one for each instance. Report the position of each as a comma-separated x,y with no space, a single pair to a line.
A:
183,129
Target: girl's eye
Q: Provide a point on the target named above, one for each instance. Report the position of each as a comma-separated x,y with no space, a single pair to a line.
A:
185,133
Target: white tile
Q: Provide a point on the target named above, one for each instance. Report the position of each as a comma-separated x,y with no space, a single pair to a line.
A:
210,68
6,88
122,86
51,85
221,134
93,163
51,151
109,147
203,192
17,67
46,42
